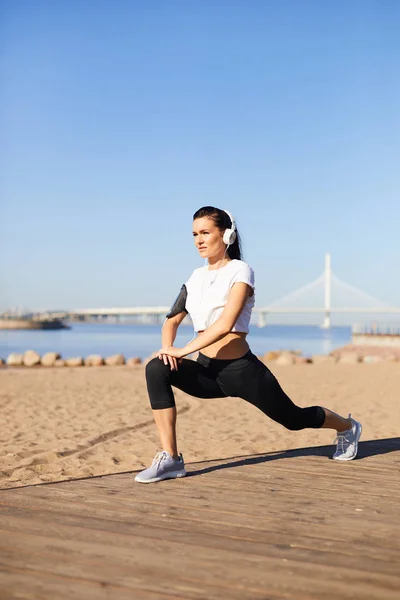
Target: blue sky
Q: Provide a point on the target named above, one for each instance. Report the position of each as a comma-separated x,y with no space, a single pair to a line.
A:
122,118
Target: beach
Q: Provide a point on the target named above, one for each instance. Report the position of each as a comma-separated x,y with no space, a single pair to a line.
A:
72,423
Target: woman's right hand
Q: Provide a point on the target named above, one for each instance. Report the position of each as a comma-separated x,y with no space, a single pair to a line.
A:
171,360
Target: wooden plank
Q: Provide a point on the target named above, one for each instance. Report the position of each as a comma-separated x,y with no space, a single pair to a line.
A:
17,583
96,562
359,556
291,531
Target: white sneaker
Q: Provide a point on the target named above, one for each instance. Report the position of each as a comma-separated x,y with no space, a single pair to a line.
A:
347,441
162,467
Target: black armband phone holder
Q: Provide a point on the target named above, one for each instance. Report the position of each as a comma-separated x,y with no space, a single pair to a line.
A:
180,303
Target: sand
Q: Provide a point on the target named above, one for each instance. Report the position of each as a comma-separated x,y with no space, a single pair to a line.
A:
70,423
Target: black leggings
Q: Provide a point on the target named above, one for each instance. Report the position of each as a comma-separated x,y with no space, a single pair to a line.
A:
246,377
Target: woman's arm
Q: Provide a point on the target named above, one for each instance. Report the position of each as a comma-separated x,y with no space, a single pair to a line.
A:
170,328
168,335
236,301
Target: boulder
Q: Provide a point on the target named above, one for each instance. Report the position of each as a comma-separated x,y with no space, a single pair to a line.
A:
76,361
285,359
349,358
93,360
134,361
49,359
318,359
272,355
31,358
59,362
115,359
15,360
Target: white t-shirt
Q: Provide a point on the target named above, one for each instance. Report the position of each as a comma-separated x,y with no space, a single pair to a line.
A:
207,294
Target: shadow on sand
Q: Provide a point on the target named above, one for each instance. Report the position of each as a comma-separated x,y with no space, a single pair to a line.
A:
365,449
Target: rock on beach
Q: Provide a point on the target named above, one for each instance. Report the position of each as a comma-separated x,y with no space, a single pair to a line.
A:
285,359
76,361
94,360
15,360
49,359
115,360
31,358
134,361
350,354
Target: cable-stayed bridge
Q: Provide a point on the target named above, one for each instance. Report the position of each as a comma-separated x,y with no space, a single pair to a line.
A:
326,295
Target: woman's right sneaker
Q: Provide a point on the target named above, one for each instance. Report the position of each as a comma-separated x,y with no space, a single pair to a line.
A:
347,441
162,467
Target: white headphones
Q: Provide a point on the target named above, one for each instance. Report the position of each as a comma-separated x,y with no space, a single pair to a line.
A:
229,234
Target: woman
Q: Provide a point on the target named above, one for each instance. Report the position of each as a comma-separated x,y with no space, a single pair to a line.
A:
219,298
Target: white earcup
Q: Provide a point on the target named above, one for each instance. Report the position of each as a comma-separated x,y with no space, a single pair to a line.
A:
229,236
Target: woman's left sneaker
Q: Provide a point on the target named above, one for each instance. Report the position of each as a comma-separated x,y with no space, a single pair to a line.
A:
162,467
347,441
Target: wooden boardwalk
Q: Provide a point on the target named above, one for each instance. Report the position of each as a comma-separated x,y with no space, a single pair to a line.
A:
291,525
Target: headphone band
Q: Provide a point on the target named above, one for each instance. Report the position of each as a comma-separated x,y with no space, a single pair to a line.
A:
233,226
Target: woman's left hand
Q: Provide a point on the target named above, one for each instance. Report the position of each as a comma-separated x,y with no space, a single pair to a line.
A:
171,351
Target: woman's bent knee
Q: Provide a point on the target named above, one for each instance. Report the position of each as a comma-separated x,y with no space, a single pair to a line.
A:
156,367
158,384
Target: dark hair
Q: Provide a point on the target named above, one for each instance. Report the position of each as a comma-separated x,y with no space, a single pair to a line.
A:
223,221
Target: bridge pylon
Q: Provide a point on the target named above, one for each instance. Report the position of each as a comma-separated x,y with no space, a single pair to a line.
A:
262,319
327,323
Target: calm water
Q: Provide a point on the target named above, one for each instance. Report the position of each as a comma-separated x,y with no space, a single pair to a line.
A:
142,340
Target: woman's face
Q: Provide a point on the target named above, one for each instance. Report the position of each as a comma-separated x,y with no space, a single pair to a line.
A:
208,238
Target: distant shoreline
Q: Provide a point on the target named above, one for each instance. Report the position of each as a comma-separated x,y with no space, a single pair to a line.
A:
42,324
